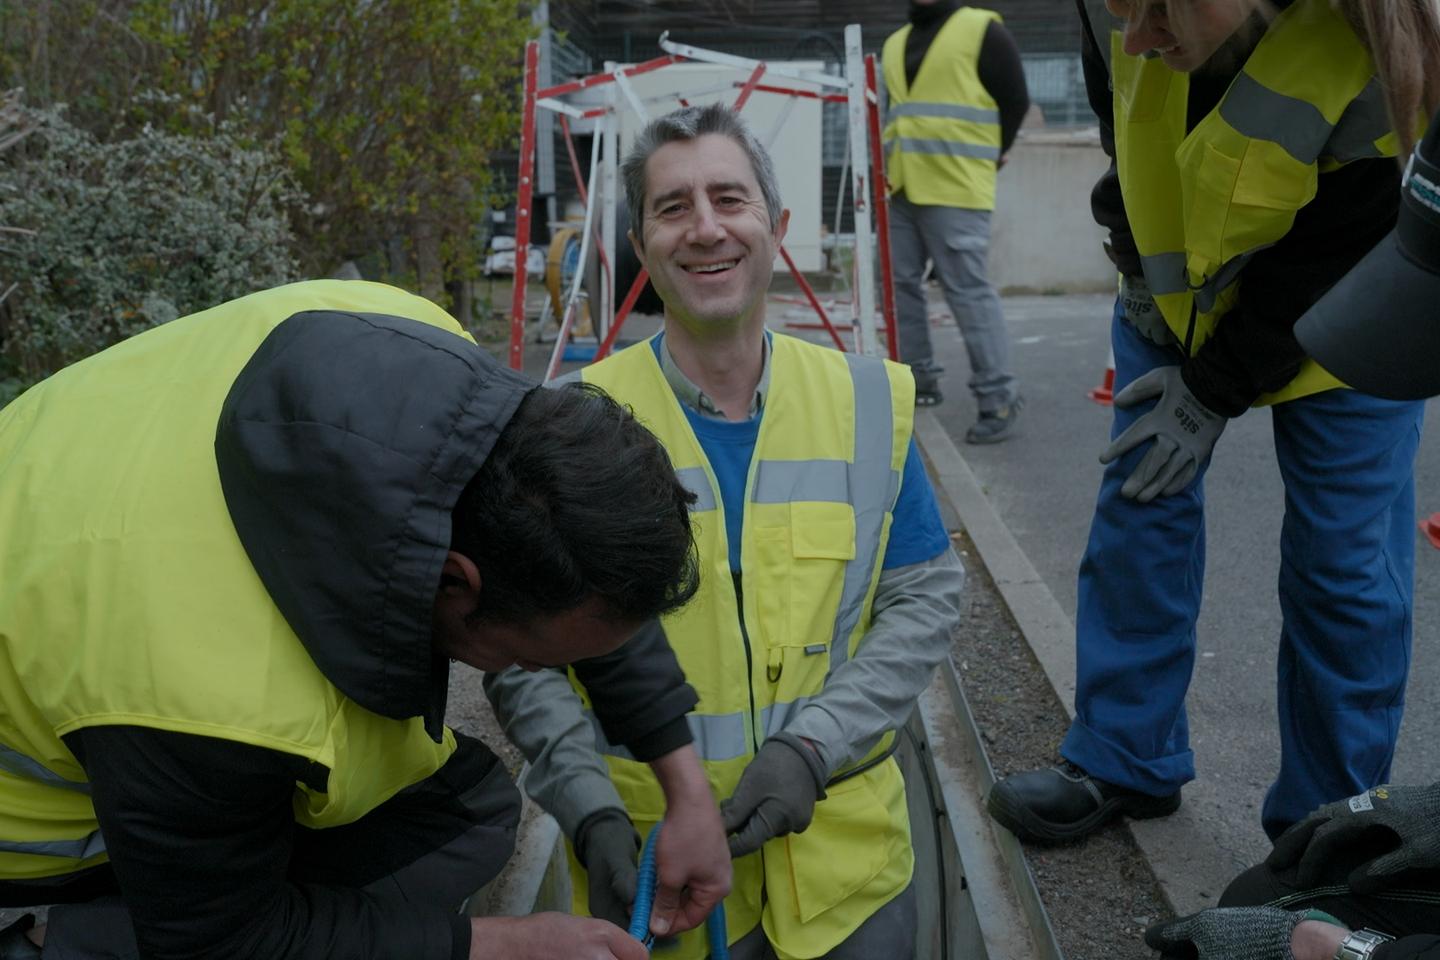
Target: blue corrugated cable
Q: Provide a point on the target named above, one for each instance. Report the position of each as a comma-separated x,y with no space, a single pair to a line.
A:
645,900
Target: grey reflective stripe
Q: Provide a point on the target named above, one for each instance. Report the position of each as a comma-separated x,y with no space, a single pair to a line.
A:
697,482
949,148
1165,273
1260,113
784,481
873,487
950,111
717,736
1365,121
81,849
23,766
778,716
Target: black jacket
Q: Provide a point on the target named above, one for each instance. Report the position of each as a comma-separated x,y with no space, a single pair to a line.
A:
342,448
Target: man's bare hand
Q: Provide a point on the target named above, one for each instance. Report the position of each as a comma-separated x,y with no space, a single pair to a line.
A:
551,936
692,859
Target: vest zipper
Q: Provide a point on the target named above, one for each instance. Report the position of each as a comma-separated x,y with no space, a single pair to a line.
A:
749,655
1190,330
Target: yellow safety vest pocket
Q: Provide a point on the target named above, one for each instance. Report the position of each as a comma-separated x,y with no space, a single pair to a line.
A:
1271,178
1209,208
804,565
853,826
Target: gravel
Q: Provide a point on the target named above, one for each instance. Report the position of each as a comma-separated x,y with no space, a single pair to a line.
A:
1100,894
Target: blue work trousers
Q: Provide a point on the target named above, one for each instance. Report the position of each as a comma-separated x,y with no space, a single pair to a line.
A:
1346,585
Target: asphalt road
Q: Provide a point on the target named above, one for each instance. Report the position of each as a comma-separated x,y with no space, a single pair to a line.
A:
1043,485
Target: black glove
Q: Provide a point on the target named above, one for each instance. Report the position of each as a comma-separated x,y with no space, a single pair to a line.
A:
1228,933
1385,831
776,794
608,847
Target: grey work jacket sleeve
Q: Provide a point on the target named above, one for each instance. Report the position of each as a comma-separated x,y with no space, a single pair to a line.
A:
542,715
916,609
640,699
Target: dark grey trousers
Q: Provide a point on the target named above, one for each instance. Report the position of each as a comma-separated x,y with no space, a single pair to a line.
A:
435,842
957,242
889,932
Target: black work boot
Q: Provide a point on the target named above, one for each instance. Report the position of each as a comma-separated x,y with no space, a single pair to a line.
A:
14,945
1066,803
927,387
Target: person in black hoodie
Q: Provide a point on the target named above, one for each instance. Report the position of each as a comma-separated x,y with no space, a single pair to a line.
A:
957,95
241,552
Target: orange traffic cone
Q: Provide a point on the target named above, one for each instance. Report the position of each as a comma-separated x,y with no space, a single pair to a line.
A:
1430,526
1105,393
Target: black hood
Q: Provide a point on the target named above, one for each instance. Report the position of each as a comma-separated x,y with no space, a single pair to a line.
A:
925,14
342,447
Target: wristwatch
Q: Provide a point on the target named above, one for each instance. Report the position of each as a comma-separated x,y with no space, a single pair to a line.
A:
1360,945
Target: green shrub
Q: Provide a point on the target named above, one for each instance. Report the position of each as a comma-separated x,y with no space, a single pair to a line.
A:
388,111
107,239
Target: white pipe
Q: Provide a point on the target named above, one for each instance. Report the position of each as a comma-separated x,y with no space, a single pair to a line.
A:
568,316
746,64
623,82
863,295
550,103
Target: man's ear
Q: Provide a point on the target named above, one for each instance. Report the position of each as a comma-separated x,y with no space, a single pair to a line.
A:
636,245
459,574
782,225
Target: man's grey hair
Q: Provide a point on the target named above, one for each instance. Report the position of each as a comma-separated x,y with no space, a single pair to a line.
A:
690,123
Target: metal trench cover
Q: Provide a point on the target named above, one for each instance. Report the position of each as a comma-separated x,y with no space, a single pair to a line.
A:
977,897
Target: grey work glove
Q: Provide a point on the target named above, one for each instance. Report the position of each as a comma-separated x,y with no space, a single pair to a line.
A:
1183,429
1393,828
1227,933
1143,313
608,847
776,794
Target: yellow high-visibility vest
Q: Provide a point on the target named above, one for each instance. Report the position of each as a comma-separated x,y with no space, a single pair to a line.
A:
818,499
942,136
127,598
1202,204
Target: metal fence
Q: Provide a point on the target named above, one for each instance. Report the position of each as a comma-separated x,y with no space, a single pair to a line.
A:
1057,86
1055,80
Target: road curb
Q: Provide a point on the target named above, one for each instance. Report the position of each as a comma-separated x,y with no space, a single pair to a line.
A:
1043,623
1184,870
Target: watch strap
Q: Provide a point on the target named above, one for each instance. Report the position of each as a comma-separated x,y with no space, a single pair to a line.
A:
1360,944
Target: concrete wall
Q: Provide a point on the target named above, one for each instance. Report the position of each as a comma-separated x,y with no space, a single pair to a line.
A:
1043,238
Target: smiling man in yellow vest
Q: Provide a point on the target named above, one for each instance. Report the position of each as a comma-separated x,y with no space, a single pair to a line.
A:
957,95
238,554
828,586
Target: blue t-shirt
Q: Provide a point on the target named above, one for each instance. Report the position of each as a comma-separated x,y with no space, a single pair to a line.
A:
916,534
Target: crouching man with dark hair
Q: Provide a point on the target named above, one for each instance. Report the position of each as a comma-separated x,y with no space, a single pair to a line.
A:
240,553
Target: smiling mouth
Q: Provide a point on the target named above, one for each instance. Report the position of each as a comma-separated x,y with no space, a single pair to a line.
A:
712,267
